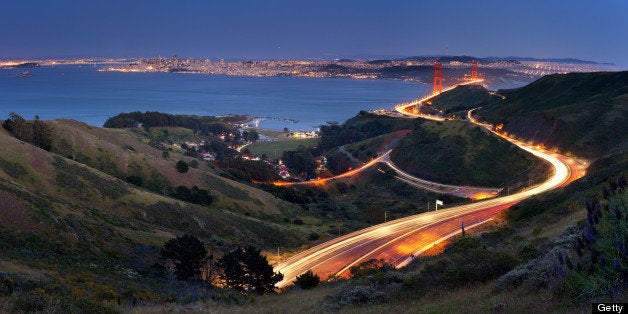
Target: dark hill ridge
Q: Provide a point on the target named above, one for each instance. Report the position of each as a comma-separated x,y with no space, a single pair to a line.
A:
460,153
463,97
581,113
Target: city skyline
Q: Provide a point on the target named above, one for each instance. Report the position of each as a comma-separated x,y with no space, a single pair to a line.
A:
324,29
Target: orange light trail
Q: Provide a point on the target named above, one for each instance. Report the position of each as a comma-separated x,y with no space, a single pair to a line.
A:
323,181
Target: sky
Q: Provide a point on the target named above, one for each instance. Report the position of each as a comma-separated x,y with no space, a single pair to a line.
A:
280,29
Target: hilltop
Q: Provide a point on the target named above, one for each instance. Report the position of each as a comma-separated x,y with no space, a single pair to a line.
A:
460,153
463,98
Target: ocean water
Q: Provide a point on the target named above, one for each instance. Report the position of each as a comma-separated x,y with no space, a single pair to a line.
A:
84,94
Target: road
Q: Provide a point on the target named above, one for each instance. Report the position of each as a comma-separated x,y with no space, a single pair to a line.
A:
471,192
323,181
404,108
399,241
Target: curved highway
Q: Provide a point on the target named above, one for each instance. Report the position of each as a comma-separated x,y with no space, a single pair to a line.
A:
400,240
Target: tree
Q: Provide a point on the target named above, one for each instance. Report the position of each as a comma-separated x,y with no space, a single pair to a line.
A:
19,127
182,166
307,280
252,136
301,160
187,254
42,134
246,270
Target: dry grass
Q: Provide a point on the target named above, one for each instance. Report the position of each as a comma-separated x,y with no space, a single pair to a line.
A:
475,299
296,301
15,267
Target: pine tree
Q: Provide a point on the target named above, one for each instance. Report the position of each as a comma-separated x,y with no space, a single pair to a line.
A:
247,270
187,254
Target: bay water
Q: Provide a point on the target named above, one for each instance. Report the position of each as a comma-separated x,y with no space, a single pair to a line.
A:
85,94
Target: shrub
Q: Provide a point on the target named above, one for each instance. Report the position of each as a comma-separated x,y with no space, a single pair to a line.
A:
370,267
182,166
313,236
307,280
361,294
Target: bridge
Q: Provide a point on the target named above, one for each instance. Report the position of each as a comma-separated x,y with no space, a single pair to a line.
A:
413,108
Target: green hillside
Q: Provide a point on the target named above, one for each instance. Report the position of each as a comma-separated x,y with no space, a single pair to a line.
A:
463,97
361,127
121,153
460,153
79,226
581,113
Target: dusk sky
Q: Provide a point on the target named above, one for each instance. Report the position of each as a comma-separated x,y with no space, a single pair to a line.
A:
236,29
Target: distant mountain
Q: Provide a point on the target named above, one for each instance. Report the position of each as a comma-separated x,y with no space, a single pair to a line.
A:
465,58
559,60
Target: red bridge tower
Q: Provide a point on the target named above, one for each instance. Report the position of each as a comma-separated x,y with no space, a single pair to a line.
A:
438,78
474,70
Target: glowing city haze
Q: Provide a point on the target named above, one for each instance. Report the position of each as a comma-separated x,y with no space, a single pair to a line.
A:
589,30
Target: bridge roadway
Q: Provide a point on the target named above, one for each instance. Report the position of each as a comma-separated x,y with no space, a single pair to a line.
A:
399,241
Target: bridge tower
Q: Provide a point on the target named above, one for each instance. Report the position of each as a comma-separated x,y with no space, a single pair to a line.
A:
438,78
474,70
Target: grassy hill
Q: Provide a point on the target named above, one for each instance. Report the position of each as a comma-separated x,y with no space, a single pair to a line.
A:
78,227
528,254
361,127
121,152
463,97
460,153
581,113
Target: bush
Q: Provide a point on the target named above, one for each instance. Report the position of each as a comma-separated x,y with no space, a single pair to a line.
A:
182,166
194,163
313,236
370,267
307,280
360,294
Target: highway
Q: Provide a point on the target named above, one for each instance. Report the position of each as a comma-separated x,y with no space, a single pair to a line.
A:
323,181
471,192
399,241
404,108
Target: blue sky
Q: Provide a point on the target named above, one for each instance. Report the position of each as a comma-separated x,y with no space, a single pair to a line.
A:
237,29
